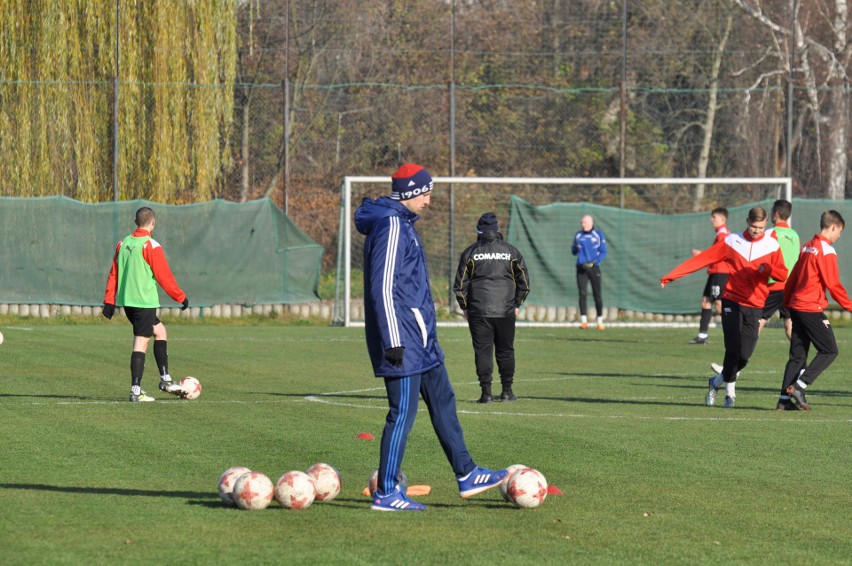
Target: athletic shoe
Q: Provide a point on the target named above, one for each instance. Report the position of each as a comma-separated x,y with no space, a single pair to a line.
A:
141,398
508,395
786,405
584,325
698,340
730,402
169,386
710,399
717,368
485,398
395,501
799,397
600,327
479,480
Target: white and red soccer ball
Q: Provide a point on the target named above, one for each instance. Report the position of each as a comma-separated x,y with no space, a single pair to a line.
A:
190,388
527,488
505,485
295,490
326,479
227,481
253,490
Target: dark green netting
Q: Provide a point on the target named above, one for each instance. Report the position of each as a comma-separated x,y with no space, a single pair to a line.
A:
642,247
56,250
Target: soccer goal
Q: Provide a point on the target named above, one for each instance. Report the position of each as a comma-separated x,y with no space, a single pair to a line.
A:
651,224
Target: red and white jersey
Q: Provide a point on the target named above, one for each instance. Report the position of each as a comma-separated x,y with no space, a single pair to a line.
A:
721,267
751,261
814,272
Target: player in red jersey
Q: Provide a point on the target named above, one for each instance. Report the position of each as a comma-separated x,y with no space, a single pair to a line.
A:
752,259
804,296
717,277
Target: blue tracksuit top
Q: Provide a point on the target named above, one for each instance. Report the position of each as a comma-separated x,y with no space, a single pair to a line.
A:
398,305
589,246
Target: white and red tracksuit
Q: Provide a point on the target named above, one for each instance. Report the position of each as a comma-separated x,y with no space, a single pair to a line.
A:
804,294
721,266
752,261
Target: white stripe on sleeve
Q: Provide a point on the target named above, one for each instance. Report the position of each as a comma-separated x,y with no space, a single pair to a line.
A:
387,281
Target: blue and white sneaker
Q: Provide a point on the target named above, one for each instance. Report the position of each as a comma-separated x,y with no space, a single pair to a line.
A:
710,398
479,480
395,501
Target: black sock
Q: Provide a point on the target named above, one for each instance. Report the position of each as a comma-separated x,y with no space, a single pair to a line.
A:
161,355
706,317
137,367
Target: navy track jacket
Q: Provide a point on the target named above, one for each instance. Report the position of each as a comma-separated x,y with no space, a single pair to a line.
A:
398,305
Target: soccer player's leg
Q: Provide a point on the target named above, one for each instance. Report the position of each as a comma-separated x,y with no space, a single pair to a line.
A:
482,336
439,397
402,394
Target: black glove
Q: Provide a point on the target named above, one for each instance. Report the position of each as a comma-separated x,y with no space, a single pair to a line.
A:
108,311
185,304
589,264
394,356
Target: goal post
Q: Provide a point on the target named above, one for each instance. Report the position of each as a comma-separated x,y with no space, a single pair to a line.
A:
458,201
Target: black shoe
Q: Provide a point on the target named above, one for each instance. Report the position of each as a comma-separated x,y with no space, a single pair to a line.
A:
485,398
799,397
698,340
507,395
786,405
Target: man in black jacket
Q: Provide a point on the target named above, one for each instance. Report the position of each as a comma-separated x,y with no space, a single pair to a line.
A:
491,283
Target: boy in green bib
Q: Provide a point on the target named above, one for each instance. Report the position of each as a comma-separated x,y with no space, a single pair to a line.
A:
138,266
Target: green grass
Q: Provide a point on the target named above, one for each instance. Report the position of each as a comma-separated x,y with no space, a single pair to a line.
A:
615,419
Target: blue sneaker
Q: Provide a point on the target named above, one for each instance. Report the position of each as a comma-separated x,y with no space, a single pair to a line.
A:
395,501
479,480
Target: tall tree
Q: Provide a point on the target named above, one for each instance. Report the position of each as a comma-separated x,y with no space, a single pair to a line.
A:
822,50
175,74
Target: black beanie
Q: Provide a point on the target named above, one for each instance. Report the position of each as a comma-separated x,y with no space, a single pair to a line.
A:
487,222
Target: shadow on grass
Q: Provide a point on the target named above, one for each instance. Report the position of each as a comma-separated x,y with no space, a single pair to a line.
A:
108,490
25,396
617,375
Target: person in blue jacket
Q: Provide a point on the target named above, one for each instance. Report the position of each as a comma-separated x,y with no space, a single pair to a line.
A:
402,341
590,248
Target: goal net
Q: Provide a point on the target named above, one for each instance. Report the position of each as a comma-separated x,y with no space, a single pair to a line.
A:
651,225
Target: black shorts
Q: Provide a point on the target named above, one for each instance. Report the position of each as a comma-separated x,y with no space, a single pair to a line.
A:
143,320
775,302
715,285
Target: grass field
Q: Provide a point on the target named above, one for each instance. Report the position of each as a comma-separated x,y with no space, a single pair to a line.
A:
615,419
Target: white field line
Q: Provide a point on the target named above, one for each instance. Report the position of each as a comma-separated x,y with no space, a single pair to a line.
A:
321,398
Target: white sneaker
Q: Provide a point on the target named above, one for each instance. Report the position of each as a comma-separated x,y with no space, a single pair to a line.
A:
169,386
717,368
710,399
730,401
141,398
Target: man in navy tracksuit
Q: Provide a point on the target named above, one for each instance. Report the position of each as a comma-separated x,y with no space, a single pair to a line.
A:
402,339
590,248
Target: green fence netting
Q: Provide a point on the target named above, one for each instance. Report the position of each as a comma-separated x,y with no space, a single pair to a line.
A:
56,250
642,247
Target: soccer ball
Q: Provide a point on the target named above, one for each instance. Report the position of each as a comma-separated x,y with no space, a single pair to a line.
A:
505,485
327,481
401,479
227,481
1,337
527,488
191,388
253,490
295,490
